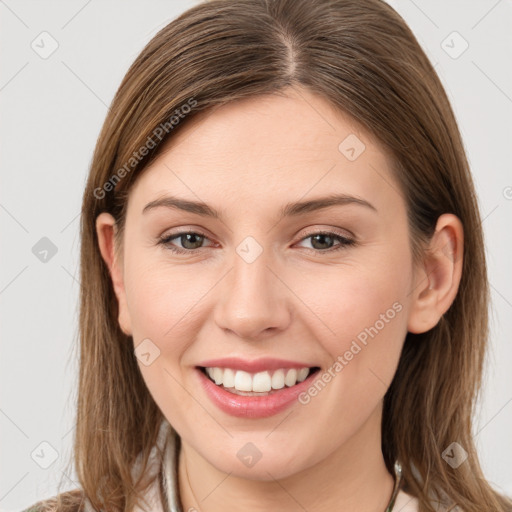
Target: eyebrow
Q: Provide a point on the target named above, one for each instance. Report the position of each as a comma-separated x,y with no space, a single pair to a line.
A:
289,210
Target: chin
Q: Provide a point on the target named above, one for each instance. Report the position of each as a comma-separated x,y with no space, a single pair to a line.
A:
262,461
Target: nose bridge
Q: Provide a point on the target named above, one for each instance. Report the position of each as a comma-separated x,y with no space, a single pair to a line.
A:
253,299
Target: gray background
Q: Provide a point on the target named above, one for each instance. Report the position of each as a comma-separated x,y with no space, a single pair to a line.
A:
51,113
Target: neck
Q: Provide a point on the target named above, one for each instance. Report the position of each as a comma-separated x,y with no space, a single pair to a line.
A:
352,477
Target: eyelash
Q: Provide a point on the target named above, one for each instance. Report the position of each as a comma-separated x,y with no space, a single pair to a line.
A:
344,241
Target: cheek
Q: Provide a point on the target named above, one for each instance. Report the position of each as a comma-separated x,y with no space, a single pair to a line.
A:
164,304
355,299
164,301
360,319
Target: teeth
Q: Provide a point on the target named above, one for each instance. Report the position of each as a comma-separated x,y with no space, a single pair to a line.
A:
291,377
243,381
278,379
229,378
302,374
218,375
261,382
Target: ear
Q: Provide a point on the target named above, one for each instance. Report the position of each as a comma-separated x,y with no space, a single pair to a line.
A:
106,228
437,278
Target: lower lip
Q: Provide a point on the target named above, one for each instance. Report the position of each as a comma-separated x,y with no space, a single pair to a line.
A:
253,406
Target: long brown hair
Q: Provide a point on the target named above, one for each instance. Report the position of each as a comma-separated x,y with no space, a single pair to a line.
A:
360,56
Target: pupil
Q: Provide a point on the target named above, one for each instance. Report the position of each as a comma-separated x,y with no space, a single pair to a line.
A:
186,239
322,237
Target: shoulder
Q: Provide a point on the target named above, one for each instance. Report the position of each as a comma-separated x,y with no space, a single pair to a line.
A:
69,501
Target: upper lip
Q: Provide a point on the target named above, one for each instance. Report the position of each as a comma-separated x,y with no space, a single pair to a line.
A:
255,365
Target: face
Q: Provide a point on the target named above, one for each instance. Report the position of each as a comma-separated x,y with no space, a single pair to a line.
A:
267,286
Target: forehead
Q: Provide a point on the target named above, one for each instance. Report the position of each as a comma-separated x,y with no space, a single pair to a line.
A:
268,150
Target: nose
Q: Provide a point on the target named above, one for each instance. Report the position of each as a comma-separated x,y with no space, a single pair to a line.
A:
254,303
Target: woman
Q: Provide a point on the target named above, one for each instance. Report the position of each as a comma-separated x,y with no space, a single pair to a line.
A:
277,310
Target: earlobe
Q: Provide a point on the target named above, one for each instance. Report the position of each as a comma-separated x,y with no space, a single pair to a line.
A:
437,280
106,229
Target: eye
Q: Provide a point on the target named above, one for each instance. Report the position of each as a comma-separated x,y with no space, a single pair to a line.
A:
322,241
190,241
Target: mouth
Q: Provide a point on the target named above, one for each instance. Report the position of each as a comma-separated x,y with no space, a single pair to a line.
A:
263,383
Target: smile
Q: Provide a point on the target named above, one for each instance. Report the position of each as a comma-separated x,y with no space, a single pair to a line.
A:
261,383
257,390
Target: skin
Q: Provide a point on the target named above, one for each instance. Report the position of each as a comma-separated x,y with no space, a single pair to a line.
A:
295,301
